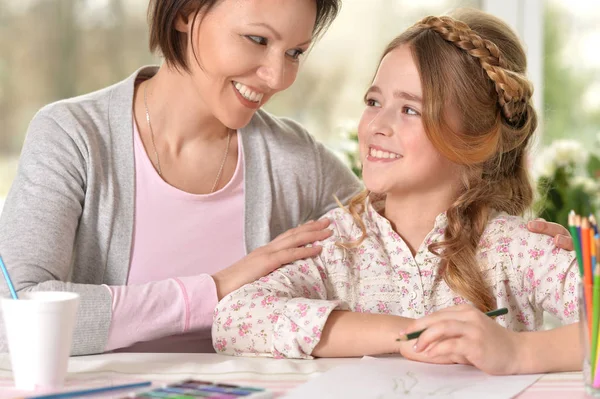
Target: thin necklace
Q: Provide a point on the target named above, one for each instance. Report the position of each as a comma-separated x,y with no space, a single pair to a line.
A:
158,168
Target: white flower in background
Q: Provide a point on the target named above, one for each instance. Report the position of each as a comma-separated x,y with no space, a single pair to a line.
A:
544,165
561,153
588,184
345,130
569,152
344,144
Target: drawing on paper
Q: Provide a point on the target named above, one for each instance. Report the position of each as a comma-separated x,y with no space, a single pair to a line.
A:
409,385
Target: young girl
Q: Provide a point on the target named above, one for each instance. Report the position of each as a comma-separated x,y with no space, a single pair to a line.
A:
443,142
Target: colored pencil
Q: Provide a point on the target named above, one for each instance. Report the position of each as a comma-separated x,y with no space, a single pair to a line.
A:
596,362
595,318
585,250
11,287
593,250
417,334
93,391
593,234
587,268
576,241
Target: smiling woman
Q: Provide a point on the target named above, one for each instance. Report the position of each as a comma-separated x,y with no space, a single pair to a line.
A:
155,197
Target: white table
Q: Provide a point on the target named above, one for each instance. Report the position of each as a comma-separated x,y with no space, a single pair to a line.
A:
279,375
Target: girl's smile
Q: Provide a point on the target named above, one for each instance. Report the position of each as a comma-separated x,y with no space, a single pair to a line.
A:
379,154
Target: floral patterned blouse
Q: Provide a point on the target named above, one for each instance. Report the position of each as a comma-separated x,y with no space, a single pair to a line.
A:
283,314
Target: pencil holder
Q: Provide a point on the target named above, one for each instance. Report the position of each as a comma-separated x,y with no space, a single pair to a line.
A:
588,317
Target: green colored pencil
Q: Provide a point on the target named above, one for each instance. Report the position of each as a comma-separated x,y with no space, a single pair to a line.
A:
416,334
595,317
575,237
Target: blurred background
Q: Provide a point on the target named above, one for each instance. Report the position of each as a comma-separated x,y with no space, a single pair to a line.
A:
54,49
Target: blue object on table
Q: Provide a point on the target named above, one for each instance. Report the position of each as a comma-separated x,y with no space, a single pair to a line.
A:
93,391
11,287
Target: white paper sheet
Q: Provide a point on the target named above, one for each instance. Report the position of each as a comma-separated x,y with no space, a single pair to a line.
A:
391,378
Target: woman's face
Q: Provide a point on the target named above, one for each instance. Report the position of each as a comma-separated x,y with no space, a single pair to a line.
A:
246,52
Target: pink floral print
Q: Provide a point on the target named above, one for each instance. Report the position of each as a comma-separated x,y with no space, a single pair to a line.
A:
283,314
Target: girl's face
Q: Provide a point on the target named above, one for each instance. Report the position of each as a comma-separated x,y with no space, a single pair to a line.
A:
247,51
396,154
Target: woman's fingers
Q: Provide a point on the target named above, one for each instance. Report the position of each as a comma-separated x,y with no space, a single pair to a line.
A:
277,259
562,238
312,225
288,247
564,242
302,235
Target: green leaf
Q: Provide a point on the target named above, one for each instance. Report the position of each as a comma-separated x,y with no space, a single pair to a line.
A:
593,166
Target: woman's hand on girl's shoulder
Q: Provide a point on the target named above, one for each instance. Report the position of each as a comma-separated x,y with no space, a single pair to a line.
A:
562,238
286,248
464,335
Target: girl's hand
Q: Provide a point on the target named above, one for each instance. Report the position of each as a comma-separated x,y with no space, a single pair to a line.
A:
285,248
462,334
562,238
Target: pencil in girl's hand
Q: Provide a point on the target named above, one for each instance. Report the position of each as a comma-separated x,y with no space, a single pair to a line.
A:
11,287
417,334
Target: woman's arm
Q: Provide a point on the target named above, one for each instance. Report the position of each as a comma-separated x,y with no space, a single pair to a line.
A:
280,315
284,249
159,309
154,310
39,225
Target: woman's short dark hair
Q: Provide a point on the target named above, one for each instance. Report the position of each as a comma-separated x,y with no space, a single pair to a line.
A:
162,15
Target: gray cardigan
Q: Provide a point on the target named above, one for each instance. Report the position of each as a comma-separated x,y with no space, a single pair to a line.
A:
67,223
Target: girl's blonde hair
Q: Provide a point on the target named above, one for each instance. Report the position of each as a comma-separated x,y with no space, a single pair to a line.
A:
473,65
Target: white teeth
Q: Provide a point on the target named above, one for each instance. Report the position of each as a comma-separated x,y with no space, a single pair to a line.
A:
247,93
383,154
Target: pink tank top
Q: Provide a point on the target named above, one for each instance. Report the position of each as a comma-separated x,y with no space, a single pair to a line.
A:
176,234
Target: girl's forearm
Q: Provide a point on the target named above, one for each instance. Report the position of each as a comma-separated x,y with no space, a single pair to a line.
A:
350,334
550,351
